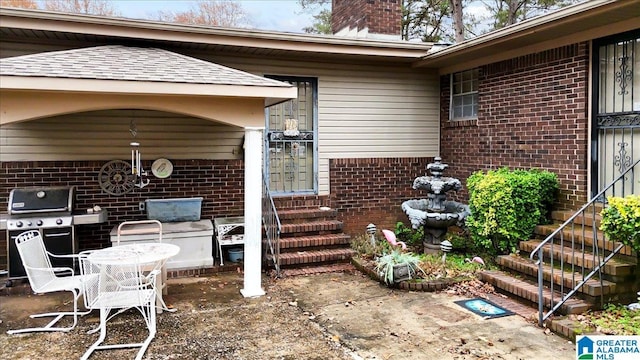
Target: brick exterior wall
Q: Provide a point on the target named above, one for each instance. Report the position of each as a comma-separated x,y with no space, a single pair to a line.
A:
380,16
219,182
372,190
532,114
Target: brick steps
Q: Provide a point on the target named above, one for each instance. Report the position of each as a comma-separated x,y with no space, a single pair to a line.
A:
592,287
572,258
527,290
578,238
316,256
590,217
314,240
613,267
311,242
305,215
313,227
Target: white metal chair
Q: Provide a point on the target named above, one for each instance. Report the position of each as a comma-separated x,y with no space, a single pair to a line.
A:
44,278
148,227
117,283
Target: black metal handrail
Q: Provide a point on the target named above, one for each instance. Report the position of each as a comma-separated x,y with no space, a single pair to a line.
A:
576,236
272,226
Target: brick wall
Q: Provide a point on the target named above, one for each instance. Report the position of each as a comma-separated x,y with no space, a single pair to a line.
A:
380,16
219,182
372,190
532,114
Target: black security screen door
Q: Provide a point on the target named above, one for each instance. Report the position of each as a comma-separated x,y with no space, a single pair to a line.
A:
616,110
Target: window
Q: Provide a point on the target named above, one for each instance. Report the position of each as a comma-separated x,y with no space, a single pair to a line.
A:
464,95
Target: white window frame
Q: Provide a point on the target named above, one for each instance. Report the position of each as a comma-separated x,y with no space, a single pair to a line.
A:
464,95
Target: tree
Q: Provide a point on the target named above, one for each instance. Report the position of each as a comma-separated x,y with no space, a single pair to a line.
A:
208,12
24,4
425,20
458,25
90,7
321,20
509,12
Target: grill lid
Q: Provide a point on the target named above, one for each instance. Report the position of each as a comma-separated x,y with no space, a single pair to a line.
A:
42,199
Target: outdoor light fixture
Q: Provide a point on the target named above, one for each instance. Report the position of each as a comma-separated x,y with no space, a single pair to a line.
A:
446,247
371,230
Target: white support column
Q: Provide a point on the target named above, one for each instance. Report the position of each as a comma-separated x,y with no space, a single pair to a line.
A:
252,212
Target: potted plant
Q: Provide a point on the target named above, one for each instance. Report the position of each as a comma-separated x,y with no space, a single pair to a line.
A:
397,266
621,220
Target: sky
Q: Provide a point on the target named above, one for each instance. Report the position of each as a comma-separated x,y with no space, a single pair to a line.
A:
277,15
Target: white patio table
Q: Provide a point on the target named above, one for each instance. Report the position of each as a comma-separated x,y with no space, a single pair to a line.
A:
152,256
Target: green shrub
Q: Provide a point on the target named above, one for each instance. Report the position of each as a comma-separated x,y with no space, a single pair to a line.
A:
407,235
621,220
507,205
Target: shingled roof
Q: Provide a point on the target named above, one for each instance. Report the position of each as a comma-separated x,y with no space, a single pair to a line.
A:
118,62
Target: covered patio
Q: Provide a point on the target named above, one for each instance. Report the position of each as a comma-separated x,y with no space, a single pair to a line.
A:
117,77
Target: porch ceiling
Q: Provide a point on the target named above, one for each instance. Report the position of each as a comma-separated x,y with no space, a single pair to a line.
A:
117,69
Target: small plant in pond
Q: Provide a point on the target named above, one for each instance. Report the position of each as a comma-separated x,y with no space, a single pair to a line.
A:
621,220
389,264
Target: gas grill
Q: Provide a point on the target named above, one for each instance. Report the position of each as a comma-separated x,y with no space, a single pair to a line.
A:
48,210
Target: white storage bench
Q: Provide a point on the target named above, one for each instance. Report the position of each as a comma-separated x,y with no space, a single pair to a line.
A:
195,239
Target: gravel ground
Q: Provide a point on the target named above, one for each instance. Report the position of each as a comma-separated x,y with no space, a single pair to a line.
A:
213,321
339,316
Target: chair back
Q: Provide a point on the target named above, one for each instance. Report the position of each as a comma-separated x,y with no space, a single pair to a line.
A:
140,227
35,259
90,285
116,280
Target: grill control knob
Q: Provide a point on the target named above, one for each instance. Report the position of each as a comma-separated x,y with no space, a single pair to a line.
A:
19,223
59,221
39,222
29,223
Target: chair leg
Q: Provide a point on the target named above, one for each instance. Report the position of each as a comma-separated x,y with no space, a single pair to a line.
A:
149,315
57,317
103,334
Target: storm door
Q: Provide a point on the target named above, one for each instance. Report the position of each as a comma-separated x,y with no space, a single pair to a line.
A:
616,107
291,145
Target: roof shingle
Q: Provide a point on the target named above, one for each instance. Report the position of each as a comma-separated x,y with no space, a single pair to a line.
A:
125,63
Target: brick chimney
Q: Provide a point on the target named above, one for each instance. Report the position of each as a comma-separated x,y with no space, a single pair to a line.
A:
379,19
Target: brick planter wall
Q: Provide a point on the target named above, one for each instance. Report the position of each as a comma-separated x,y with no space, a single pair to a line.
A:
372,190
532,114
219,182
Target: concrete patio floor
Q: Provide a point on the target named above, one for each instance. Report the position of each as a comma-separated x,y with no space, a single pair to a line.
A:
330,316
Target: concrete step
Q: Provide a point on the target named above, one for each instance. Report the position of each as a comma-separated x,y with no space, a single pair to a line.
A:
569,255
314,241
326,256
311,227
579,236
525,266
528,291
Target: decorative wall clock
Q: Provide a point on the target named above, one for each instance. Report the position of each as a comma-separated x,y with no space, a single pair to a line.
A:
115,177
